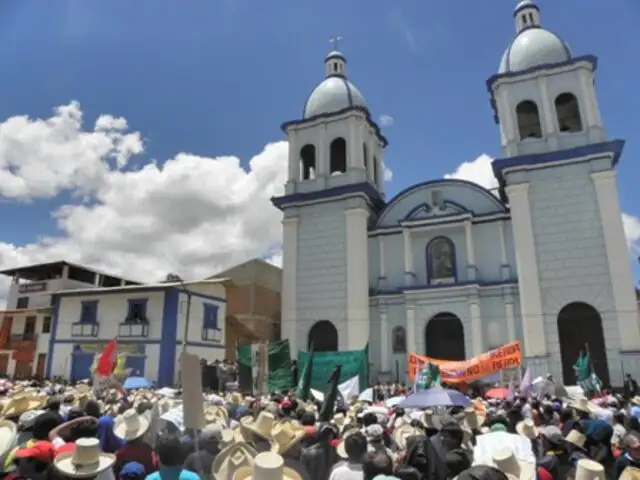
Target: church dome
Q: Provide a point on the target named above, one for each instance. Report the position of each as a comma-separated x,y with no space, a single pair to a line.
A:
533,46
335,93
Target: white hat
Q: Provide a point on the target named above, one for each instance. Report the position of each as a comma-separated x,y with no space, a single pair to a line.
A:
261,426
85,461
230,459
473,419
527,428
130,425
285,436
589,470
403,432
8,436
575,438
267,466
582,404
506,461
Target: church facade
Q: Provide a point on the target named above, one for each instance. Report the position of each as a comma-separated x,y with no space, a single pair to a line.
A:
447,268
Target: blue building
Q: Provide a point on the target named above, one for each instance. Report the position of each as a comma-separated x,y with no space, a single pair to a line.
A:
151,323
447,268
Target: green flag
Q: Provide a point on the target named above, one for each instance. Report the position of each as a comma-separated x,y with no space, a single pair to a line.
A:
582,368
269,365
244,359
328,406
304,384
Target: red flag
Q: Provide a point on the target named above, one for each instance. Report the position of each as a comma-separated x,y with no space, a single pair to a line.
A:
107,360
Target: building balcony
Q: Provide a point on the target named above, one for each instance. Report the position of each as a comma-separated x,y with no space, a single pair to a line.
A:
19,342
86,329
133,329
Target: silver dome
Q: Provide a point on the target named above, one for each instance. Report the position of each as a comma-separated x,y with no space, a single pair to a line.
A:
332,95
534,47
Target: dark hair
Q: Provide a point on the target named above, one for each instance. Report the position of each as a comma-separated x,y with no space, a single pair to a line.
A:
355,445
170,451
88,429
92,408
369,419
376,463
308,419
457,461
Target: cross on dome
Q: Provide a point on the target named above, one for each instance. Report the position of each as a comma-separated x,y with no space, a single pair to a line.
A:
335,62
334,42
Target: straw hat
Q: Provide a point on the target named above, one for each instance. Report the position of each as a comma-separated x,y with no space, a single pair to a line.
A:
340,449
213,414
8,436
473,419
20,404
230,459
86,460
130,425
267,466
403,432
262,425
582,404
630,473
234,398
429,419
285,436
506,461
527,428
575,438
589,470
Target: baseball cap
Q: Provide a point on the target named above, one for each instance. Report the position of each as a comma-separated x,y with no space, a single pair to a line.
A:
42,451
212,431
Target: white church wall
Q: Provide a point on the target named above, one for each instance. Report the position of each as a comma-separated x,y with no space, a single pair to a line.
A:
571,257
321,270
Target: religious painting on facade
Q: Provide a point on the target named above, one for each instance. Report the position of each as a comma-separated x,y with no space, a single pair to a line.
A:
441,259
399,340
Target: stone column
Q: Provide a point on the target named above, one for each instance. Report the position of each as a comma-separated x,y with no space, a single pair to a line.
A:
408,258
624,295
411,329
528,277
357,314
471,256
289,274
476,326
385,364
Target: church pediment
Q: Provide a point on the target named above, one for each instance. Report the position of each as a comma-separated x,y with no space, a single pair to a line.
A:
425,211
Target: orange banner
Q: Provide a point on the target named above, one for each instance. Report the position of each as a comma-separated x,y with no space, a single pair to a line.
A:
451,371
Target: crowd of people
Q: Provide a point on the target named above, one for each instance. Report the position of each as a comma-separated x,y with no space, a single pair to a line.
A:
52,431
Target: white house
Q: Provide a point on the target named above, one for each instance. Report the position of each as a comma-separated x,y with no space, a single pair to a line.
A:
153,324
447,268
27,319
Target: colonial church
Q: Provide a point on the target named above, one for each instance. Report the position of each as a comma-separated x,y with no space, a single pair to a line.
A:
445,267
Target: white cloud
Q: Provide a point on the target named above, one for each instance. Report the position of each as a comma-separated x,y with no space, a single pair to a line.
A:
203,213
632,231
387,173
477,171
386,120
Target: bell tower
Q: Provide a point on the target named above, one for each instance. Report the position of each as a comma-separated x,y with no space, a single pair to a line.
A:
558,176
335,180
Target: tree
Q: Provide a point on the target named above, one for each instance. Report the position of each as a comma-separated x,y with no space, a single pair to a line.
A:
172,278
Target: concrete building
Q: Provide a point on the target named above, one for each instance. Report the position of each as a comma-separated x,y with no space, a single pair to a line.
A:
153,323
27,319
253,303
447,268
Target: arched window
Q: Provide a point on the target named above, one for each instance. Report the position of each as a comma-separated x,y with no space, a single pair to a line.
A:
441,260
308,162
338,156
528,120
399,340
365,157
375,171
568,113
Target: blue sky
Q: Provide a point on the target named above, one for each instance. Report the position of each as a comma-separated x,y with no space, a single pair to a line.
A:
216,78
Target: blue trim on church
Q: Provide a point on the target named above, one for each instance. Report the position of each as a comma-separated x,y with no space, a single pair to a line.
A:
613,147
363,188
592,59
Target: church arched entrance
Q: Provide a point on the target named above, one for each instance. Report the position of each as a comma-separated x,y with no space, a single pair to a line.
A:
324,337
444,337
579,329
